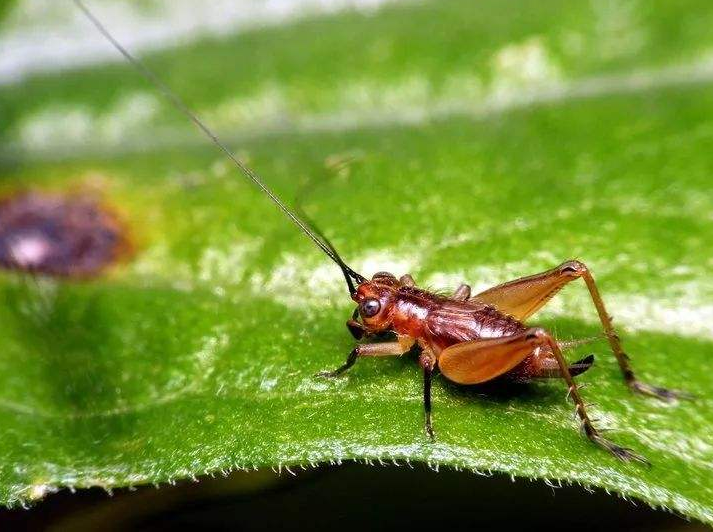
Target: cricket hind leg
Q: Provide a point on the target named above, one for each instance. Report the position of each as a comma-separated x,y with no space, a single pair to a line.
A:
481,360
523,297
543,338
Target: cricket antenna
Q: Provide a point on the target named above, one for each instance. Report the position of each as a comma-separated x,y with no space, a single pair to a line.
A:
349,275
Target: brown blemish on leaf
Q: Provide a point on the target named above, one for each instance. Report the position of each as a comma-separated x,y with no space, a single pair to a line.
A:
64,235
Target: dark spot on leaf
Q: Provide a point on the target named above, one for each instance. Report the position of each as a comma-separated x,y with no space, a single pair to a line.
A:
61,235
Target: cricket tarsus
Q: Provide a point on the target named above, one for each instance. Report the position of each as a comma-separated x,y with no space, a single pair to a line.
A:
349,274
351,359
622,453
664,394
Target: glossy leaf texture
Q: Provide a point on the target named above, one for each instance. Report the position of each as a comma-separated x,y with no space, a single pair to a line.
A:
457,141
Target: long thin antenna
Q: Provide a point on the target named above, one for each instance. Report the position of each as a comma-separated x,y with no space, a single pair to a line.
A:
249,173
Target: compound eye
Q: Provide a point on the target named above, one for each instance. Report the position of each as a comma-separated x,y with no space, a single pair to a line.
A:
370,308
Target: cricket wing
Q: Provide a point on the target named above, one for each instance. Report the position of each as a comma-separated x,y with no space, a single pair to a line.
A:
481,360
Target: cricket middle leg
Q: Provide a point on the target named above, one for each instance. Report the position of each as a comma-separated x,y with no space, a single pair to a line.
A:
462,293
427,361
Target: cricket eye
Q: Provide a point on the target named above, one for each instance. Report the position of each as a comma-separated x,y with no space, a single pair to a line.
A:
370,308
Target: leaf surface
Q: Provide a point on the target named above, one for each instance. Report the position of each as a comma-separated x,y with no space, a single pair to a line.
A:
443,139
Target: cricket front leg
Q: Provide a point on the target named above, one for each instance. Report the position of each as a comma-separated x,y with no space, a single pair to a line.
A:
370,350
355,328
523,297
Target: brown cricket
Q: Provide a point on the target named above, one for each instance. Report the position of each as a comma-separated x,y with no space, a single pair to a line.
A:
470,339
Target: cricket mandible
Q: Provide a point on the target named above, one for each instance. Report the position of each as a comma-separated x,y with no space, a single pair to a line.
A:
469,339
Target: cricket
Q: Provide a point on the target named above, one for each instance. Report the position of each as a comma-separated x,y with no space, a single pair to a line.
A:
468,338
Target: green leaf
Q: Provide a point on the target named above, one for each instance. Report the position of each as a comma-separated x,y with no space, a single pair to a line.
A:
456,142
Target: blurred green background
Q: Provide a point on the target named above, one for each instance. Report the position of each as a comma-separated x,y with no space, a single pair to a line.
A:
460,141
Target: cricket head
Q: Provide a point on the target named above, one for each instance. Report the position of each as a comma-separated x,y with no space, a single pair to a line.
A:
375,301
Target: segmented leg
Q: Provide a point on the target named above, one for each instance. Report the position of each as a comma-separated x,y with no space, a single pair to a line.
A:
543,338
427,361
407,280
482,360
462,293
356,328
523,297
369,350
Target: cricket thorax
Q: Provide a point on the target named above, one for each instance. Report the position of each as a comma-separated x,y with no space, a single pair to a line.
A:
440,321
443,321
412,307
385,304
